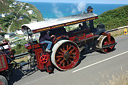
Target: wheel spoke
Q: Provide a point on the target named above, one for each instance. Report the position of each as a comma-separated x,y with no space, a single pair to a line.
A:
68,62
60,53
59,56
71,51
69,47
62,61
58,59
63,64
61,50
72,57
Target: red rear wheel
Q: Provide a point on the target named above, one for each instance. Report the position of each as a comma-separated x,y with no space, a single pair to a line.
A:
67,56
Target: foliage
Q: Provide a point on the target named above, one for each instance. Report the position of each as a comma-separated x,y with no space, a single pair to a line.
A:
5,21
19,48
4,6
17,23
114,18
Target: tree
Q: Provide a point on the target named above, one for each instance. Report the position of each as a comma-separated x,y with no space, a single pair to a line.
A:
5,24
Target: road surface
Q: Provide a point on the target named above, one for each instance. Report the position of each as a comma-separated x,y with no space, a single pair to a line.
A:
94,69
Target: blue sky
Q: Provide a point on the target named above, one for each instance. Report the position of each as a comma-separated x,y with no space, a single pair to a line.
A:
77,1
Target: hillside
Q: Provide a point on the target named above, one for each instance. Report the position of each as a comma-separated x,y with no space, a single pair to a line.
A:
4,6
27,17
114,18
14,13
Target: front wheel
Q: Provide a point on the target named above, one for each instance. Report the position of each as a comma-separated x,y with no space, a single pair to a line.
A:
105,42
3,80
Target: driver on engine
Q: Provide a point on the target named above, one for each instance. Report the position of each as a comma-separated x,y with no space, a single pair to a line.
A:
46,38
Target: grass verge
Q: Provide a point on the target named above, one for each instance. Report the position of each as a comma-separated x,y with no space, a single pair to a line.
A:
118,79
118,32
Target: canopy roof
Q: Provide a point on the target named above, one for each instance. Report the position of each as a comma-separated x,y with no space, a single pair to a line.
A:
59,22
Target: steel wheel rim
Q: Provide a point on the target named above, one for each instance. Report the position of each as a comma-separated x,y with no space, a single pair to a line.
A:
67,56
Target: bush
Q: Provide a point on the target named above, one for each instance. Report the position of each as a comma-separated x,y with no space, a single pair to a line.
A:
114,18
19,49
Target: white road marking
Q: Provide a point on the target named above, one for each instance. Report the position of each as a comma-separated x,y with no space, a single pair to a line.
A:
100,62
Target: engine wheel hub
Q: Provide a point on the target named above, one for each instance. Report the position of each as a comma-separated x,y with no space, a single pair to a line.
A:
66,55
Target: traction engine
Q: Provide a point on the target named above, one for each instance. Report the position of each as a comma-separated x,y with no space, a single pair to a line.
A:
67,45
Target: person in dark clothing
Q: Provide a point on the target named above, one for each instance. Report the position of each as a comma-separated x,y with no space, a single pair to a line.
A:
46,38
91,23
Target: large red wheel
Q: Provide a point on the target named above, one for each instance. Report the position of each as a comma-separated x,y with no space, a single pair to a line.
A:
109,49
66,55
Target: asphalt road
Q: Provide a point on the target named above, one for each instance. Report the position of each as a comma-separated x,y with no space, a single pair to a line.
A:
94,69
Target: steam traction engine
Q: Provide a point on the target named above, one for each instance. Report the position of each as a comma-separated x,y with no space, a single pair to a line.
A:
68,44
66,48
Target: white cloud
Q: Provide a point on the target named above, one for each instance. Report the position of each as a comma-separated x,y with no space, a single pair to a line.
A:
56,11
81,6
74,11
